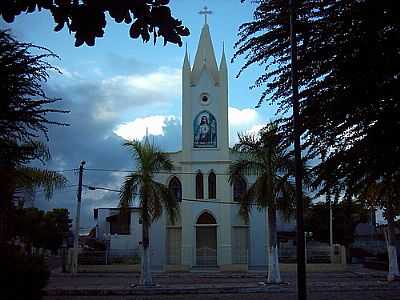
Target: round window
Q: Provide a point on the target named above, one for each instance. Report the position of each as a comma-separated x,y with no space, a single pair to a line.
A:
204,99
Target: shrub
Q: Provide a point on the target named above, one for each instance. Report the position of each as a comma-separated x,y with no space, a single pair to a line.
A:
359,253
23,276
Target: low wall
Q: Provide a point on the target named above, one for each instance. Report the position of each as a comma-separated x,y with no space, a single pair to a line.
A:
176,268
109,268
314,268
234,268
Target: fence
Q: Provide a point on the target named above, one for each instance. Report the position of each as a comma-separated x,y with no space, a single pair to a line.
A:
239,256
315,254
206,256
371,246
109,257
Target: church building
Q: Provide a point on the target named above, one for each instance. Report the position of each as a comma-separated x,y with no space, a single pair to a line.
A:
210,232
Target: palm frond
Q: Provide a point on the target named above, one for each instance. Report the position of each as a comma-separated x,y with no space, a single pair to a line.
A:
246,201
248,143
162,162
266,155
129,189
154,196
285,197
135,148
264,195
40,178
244,167
168,201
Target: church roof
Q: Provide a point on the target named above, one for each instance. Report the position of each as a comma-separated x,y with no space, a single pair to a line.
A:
205,57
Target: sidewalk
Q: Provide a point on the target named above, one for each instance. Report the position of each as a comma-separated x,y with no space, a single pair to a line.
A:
192,283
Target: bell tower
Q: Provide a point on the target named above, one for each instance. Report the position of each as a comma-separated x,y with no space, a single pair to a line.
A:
205,103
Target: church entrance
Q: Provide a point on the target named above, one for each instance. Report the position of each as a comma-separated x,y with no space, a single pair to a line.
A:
206,240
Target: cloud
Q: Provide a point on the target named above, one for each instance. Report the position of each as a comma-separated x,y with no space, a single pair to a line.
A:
246,120
238,116
256,128
112,97
157,86
136,130
166,129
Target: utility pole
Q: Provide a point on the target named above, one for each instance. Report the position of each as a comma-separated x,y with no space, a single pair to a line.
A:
77,221
328,195
301,255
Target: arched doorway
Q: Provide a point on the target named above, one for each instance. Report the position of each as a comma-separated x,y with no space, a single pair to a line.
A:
206,240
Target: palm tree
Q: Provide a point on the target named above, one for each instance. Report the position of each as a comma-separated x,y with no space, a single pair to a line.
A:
153,196
17,175
385,194
265,156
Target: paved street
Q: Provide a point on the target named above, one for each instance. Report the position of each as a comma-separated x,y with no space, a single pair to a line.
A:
357,283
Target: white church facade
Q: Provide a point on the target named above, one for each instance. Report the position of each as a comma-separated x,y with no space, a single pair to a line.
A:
210,232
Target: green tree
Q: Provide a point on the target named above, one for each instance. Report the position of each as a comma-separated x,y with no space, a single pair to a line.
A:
265,156
385,194
87,18
153,196
56,225
17,176
317,221
40,229
348,62
23,119
25,111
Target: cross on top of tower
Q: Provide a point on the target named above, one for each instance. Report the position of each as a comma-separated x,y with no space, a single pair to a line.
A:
205,12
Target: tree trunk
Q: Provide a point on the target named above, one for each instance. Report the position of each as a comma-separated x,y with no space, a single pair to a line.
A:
274,274
145,276
391,246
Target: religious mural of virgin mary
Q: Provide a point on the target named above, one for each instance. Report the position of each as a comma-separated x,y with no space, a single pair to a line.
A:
205,130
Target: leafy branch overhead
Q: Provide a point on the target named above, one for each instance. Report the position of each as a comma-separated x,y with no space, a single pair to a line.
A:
24,112
87,18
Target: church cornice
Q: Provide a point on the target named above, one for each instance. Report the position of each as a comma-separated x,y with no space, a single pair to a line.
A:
206,161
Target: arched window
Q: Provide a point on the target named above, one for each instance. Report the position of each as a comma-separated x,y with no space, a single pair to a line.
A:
212,186
199,186
239,187
175,187
206,218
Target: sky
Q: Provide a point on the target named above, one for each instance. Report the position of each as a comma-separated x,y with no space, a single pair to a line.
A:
120,87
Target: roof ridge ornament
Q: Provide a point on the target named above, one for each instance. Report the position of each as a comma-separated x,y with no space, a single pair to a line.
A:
205,12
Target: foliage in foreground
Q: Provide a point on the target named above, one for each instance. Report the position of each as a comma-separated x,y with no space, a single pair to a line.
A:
87,18
22,276
348,64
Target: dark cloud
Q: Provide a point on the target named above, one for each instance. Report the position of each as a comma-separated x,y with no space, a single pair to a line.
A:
127,65
91,138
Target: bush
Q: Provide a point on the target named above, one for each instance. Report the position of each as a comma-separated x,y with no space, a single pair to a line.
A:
359,253
127,260
23,276
382,256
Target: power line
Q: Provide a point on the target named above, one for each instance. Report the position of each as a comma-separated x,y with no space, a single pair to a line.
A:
62,170
173,172
59,190
93,188
209,201
66,170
